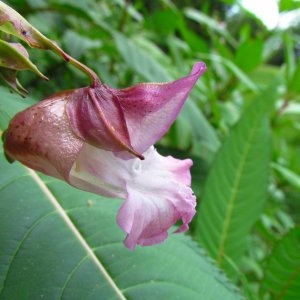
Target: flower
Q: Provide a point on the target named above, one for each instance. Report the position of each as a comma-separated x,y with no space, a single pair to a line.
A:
101,140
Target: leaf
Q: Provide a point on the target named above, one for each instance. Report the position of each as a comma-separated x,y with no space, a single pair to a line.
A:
293,84
139,60
282,272
10,77
168,17
13,23
234,193
14,56
287,5
10,104
202,131
291,177
61,243
249,54
77,45
201,18
242,77
195,42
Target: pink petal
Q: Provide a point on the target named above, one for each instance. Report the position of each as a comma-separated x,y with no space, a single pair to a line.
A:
41,138
101,172
156,200
156,190
151,108
129,119
97,117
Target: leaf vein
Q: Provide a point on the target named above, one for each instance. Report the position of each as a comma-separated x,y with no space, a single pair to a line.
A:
76,233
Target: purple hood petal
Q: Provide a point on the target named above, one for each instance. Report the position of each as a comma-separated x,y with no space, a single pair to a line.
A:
151,108
130,119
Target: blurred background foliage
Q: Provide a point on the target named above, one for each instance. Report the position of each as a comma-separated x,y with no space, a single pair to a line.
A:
128,42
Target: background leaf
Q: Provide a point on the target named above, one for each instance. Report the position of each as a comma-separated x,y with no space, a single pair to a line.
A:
230,203
282,271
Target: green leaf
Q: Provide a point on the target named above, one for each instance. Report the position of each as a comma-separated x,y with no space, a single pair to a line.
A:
201,18
287,5
234,193
77,45
249,54
10,104
139,60
61,243
291,177
282,272
13,23
164,21
14,56
265,74
241,76
10,78
195,42
201,130
289,53
293,84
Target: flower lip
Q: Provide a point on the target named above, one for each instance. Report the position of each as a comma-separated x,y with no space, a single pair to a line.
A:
156,190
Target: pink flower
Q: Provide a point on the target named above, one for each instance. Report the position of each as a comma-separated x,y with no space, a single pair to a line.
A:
101,140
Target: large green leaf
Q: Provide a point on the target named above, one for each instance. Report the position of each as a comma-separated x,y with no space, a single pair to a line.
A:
234,193
57,242
282,272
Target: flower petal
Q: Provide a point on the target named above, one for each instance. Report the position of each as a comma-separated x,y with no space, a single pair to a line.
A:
156,190
96,116
100,172
41,138
151,108
156,200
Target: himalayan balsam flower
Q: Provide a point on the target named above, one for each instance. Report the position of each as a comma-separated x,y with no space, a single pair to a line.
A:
100,139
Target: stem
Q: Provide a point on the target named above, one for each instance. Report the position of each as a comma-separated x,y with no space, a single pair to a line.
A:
94,79
124,16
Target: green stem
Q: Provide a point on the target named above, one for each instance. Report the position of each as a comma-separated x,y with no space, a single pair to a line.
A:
94,79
